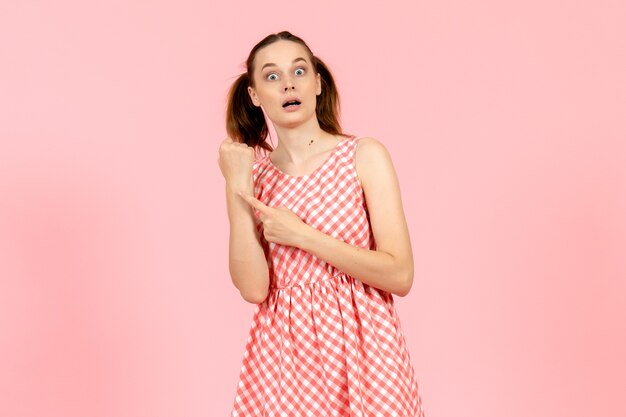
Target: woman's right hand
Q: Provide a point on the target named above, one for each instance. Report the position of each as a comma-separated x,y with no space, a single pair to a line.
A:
235,161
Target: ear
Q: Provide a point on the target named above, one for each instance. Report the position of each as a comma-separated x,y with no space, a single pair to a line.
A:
253,96
318,79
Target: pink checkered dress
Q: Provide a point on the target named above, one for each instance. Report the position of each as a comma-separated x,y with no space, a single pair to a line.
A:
323,343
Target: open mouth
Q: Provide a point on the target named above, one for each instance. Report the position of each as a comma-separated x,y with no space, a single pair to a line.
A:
291,103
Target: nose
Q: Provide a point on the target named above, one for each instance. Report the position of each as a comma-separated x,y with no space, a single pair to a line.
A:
289,84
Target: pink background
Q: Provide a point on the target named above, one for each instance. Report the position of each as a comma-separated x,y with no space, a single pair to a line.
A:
506,124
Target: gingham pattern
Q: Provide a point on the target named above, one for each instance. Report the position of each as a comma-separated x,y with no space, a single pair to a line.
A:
323,343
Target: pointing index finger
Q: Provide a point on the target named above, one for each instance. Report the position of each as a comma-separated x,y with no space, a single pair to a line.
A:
254,202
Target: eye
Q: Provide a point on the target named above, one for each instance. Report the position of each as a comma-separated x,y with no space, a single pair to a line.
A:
270,75
301,71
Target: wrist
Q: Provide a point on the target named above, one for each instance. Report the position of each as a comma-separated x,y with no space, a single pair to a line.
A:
306,237
234,187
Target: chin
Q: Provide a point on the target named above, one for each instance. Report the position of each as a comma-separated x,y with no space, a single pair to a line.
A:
290,124
290,120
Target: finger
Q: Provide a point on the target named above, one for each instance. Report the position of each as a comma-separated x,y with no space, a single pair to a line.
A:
254,202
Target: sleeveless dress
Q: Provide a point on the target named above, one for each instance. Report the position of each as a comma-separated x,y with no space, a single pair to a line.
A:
323,344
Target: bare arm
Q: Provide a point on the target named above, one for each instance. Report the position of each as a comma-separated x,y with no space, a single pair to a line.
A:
390,266
247,264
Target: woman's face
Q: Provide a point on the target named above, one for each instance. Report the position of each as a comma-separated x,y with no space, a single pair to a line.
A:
283,72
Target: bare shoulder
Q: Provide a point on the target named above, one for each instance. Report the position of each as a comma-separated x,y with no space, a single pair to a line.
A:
371,156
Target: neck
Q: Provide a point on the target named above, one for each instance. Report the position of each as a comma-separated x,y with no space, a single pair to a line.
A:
294,144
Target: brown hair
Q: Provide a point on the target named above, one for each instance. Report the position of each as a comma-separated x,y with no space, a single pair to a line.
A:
246,123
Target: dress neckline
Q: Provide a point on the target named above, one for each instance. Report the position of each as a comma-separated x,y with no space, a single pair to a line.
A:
316,170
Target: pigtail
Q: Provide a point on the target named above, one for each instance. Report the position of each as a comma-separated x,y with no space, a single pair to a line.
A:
245,122
328,106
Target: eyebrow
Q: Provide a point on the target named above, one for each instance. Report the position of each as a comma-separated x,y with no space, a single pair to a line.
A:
270,64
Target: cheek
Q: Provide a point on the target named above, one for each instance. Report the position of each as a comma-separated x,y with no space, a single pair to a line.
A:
310,87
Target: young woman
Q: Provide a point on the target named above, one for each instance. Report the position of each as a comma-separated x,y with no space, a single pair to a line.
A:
319,241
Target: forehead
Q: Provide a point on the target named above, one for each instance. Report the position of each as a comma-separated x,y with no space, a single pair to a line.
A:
281,53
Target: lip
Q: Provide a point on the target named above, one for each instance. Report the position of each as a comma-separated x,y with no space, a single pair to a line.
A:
291,98
292,108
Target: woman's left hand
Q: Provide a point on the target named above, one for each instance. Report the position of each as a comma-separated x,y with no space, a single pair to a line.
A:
280,224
